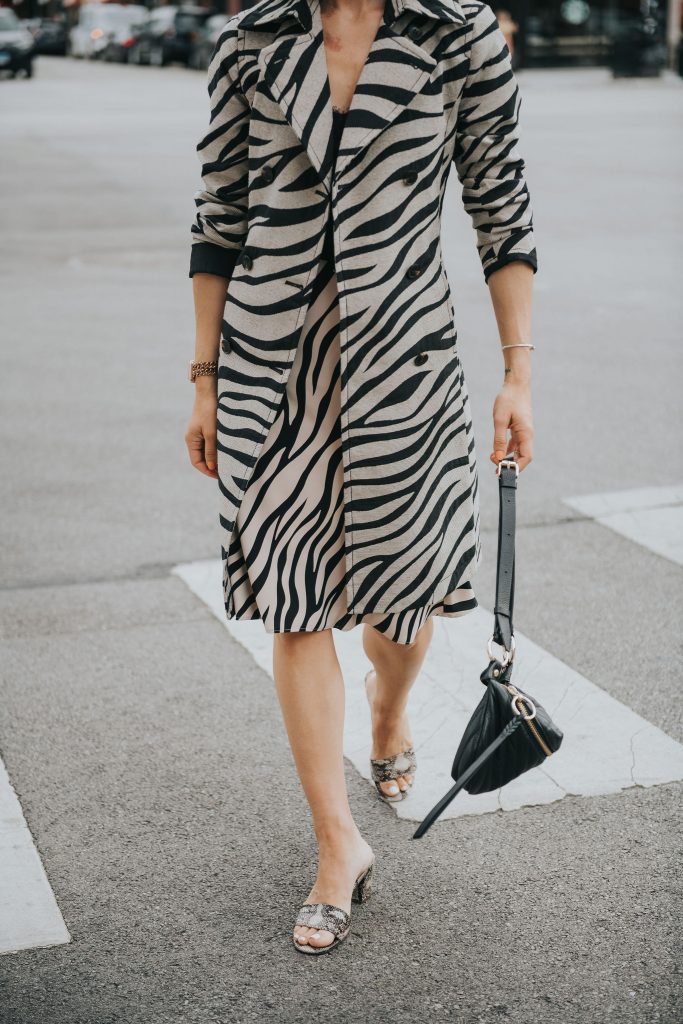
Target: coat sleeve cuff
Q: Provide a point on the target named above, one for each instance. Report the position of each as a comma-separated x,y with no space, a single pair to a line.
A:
502,261
207,258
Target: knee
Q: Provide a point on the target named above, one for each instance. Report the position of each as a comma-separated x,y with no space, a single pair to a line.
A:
295,641
287,640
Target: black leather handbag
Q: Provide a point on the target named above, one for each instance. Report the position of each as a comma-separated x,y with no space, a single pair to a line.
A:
509,731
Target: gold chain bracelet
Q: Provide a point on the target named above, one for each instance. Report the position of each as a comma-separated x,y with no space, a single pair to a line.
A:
205,369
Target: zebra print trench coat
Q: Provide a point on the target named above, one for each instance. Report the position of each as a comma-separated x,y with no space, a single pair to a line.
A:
437,89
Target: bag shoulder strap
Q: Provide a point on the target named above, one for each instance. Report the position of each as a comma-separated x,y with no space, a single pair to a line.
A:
505,566
465,777
502,630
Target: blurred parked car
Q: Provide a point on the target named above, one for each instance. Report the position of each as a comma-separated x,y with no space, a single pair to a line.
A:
122,36
32,24
205,43
16,45
96,23
50,35
168,35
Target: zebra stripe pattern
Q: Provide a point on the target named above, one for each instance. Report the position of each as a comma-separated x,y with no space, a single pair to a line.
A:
436,91
286,563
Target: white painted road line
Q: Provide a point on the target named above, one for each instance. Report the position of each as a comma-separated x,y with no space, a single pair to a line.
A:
606,748
29,915
650,516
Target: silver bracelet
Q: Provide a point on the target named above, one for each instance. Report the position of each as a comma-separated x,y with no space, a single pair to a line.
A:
518,344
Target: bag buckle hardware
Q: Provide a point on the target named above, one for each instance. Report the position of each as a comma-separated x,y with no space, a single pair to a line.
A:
508,656
527,700
507,462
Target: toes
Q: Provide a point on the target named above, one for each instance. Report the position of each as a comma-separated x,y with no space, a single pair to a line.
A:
400,785
301,934
312,936
390,788
320,938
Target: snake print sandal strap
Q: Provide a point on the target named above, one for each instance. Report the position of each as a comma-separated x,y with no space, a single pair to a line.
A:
385,769
324,917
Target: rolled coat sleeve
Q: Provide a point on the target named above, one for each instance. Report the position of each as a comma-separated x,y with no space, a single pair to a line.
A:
487,157
220,224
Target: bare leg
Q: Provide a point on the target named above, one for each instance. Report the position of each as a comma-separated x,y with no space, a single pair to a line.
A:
310,688
395,669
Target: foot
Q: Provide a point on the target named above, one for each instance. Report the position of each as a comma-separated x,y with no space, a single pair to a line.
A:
390,733
342,859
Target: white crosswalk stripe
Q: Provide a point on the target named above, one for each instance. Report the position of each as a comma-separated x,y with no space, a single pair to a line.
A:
650,516
607,747
29,915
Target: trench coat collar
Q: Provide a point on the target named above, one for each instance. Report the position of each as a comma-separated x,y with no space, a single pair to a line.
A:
275,11
294,66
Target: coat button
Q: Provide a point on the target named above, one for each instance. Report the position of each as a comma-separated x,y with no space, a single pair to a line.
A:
410,178
413,272
225,345
267,175
421,358
246,261
414,32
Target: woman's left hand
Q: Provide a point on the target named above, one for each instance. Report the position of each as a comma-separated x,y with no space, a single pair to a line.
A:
512,411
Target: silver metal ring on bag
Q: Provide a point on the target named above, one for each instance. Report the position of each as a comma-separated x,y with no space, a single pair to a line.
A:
508,656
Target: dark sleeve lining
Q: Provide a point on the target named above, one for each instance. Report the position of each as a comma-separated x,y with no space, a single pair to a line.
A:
502,261
207,258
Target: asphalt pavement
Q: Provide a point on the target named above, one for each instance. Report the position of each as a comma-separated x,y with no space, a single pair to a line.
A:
145,745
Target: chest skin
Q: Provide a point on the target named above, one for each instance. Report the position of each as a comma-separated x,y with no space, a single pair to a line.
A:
347,41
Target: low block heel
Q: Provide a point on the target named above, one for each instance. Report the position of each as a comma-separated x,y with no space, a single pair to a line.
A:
362,891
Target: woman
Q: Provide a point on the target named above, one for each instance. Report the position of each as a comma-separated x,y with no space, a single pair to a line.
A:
338,424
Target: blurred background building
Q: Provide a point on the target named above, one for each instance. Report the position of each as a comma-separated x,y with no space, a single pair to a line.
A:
633,37
637,36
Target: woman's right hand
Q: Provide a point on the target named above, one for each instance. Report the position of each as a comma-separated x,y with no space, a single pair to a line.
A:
200,436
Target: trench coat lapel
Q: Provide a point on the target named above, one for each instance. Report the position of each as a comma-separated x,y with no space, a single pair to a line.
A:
295,69
394,73
294,66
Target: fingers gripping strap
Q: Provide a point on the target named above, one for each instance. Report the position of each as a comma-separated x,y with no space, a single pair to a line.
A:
505,569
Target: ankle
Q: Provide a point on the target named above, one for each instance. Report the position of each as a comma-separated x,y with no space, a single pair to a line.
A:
336,832
388,720
388,715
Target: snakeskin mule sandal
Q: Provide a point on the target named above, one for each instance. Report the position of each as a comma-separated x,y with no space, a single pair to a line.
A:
387,769
328,918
